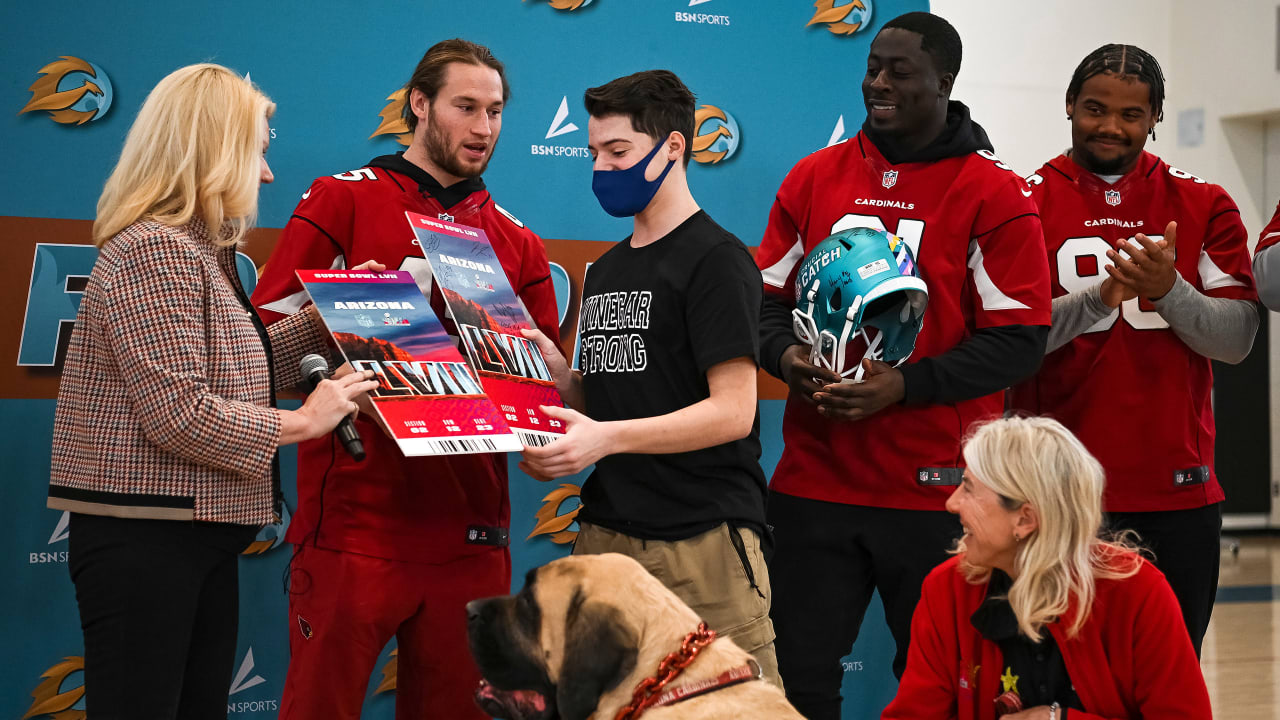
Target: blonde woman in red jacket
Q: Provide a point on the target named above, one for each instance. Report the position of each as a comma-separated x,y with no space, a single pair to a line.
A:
1037,617
166,429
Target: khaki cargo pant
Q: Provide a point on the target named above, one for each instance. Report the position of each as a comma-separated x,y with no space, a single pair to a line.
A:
707,573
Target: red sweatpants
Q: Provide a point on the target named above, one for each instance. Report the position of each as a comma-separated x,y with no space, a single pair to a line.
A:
344,608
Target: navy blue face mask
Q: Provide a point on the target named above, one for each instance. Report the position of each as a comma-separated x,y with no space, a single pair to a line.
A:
623,193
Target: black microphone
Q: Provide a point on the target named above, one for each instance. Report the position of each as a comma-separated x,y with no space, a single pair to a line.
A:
314,369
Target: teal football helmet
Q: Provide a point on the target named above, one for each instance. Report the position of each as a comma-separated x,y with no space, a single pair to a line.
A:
859,295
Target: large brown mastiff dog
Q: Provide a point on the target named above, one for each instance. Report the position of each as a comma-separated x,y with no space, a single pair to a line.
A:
587,630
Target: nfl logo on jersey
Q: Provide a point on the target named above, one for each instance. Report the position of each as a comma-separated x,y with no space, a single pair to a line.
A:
1113,197
891,178
449,218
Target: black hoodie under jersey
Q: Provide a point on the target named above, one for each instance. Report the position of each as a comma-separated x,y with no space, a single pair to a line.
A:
991,359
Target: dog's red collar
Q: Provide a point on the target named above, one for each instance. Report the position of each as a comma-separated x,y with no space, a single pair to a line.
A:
750,671
649,692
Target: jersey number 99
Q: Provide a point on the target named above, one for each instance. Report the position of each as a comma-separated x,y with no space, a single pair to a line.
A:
1091,253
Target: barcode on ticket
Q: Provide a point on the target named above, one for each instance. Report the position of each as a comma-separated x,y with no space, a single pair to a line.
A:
535,439
459,445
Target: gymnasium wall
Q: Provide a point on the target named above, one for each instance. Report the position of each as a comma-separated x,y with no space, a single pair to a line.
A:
1221,123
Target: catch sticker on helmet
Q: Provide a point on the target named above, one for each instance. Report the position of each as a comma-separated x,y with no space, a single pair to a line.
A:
859,296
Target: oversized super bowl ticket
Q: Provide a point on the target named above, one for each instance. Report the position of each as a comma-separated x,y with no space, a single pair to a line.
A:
490,316
427,397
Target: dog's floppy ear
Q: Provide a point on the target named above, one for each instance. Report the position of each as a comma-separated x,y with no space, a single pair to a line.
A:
599,651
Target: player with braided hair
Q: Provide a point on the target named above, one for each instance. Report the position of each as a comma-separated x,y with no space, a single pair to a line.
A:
1151,281
1126,61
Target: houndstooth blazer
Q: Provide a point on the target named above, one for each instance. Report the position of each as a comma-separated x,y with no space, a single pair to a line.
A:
165,409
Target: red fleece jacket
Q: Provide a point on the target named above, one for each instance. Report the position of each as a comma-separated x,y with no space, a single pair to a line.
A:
1131,659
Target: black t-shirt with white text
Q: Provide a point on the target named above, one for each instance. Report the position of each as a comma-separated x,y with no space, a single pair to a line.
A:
654,319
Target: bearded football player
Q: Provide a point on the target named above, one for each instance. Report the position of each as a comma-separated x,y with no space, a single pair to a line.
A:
394,546
1151,281
858,497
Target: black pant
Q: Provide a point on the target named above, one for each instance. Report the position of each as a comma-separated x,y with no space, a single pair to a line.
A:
1186,547
828,558
159,607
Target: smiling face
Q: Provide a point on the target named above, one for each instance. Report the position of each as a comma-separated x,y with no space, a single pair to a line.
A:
459,129
903,92
1110,120
989,526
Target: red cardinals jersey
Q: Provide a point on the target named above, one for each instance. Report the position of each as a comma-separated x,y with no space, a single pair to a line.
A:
973,228
1136,395
416,509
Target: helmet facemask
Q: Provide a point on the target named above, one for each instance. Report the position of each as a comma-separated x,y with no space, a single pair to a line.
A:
859,296
883,329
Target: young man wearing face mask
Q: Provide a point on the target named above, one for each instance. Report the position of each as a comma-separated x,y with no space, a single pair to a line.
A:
665,403
857,500
1151,281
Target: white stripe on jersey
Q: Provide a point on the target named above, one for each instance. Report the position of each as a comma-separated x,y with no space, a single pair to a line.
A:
1212,277
508,215
992,297
291,304
777,273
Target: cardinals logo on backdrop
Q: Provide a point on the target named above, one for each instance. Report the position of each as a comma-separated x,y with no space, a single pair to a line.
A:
551,522
841,18
393,119
71,90
49,700
715,135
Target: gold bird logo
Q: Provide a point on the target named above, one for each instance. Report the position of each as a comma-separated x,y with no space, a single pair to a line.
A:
843,19
721,142
71,90
271,536
550,522
389,673
47,700
568,5
393,118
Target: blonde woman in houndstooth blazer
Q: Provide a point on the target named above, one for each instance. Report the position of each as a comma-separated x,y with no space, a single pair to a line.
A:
166,430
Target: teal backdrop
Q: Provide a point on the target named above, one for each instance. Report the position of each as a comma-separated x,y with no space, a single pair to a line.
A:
775,80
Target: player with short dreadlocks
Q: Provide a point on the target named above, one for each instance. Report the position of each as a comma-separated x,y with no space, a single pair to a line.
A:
1151,281
1127,61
